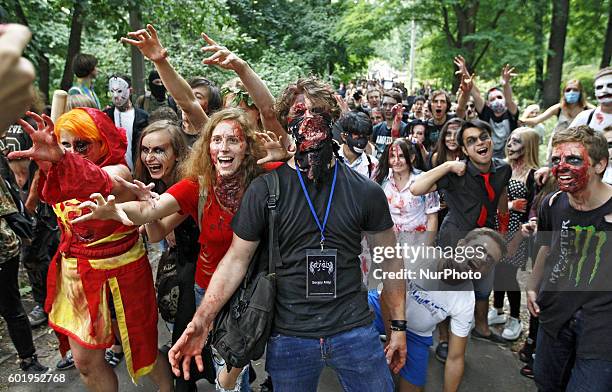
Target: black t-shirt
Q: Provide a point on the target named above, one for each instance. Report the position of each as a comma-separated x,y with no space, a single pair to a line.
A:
578,272
465,195
502,126
432,131
381,136
358,205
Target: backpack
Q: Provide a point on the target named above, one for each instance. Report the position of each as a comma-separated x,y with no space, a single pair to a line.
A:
242,327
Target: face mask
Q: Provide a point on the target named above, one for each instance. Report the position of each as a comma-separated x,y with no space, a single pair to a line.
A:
498,106
357,145
315,149
603,89
572,96
120,93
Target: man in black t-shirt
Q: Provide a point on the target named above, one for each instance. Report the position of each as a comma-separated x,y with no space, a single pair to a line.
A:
381,133
321,309
569,289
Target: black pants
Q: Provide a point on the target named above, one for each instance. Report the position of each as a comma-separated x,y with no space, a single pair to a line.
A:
12,310
506,283
37,256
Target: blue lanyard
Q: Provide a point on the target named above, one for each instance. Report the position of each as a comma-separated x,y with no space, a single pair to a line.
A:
331,195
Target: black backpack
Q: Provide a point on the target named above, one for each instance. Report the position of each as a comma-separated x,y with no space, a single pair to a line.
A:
244,324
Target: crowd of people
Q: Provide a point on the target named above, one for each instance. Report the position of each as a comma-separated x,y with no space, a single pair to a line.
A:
86,190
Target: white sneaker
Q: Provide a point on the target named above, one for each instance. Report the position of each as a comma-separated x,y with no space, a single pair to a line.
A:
496,318
512,329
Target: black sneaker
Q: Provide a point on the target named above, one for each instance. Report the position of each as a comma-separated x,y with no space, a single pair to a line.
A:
31,365
65,363
442,352
37,316
491,337
527,350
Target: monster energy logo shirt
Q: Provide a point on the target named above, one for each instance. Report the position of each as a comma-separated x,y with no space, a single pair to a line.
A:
578,272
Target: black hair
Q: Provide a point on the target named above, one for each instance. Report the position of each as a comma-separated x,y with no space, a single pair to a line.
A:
440,147
382,170
214,95
394,95
419,98
121,76
83,64
472,124
414,123
492,234
355,122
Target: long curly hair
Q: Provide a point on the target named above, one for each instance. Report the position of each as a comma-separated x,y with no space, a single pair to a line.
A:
198,165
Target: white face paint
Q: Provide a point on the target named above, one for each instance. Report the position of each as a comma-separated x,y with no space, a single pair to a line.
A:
603,89
120,92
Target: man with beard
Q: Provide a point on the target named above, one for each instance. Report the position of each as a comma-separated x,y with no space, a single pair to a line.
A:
355,131
476,195
569,288
155,98
601,116
321,315
125,116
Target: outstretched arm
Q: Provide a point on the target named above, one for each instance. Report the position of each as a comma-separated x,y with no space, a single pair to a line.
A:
427,181
147,41
224,282
532,122
257,89
507,74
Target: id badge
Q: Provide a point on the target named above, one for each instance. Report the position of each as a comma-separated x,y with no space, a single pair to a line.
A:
321,273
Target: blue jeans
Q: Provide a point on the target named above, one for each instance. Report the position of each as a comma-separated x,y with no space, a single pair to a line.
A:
295,364
556,367
217,360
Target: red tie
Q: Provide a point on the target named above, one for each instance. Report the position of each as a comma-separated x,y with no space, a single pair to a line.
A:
482,218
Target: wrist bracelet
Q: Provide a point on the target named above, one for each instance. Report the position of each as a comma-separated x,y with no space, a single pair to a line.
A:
399,325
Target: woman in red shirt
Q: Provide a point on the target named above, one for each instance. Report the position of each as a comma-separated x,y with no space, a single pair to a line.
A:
222,163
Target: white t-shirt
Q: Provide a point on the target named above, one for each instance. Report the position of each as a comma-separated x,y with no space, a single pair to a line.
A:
599,121
125,120
361,164
425,309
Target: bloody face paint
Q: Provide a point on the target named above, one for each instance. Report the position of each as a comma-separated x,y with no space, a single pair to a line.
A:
227,148
229,190
311,129
157,154
570,165
397,160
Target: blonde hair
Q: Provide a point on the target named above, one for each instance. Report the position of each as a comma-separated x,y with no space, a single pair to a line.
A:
531,142
79,101
79,123
199,167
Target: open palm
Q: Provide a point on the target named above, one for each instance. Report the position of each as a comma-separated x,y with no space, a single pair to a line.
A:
103,210
147,41
44,143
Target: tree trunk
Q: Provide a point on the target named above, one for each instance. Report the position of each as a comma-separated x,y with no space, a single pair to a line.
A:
138,76
538,46
607,49
556,47
74,43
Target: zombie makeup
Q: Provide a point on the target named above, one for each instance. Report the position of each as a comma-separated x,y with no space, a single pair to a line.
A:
227,148
570,165
515,146
397,160
603,89
387,107
120,92
90,149
311,129
157,154
356,142
450,139
478,145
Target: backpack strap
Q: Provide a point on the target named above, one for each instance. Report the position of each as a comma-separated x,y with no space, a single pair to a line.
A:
590,117
369,166
274,258
203,195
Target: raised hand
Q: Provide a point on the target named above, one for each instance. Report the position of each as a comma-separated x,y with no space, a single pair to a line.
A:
142,191
189,346
274,147
344,107
103,210
467,82
221,56
459,61
44,143
507,74
147,42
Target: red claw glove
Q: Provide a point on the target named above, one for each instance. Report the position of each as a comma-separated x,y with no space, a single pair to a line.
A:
503,220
